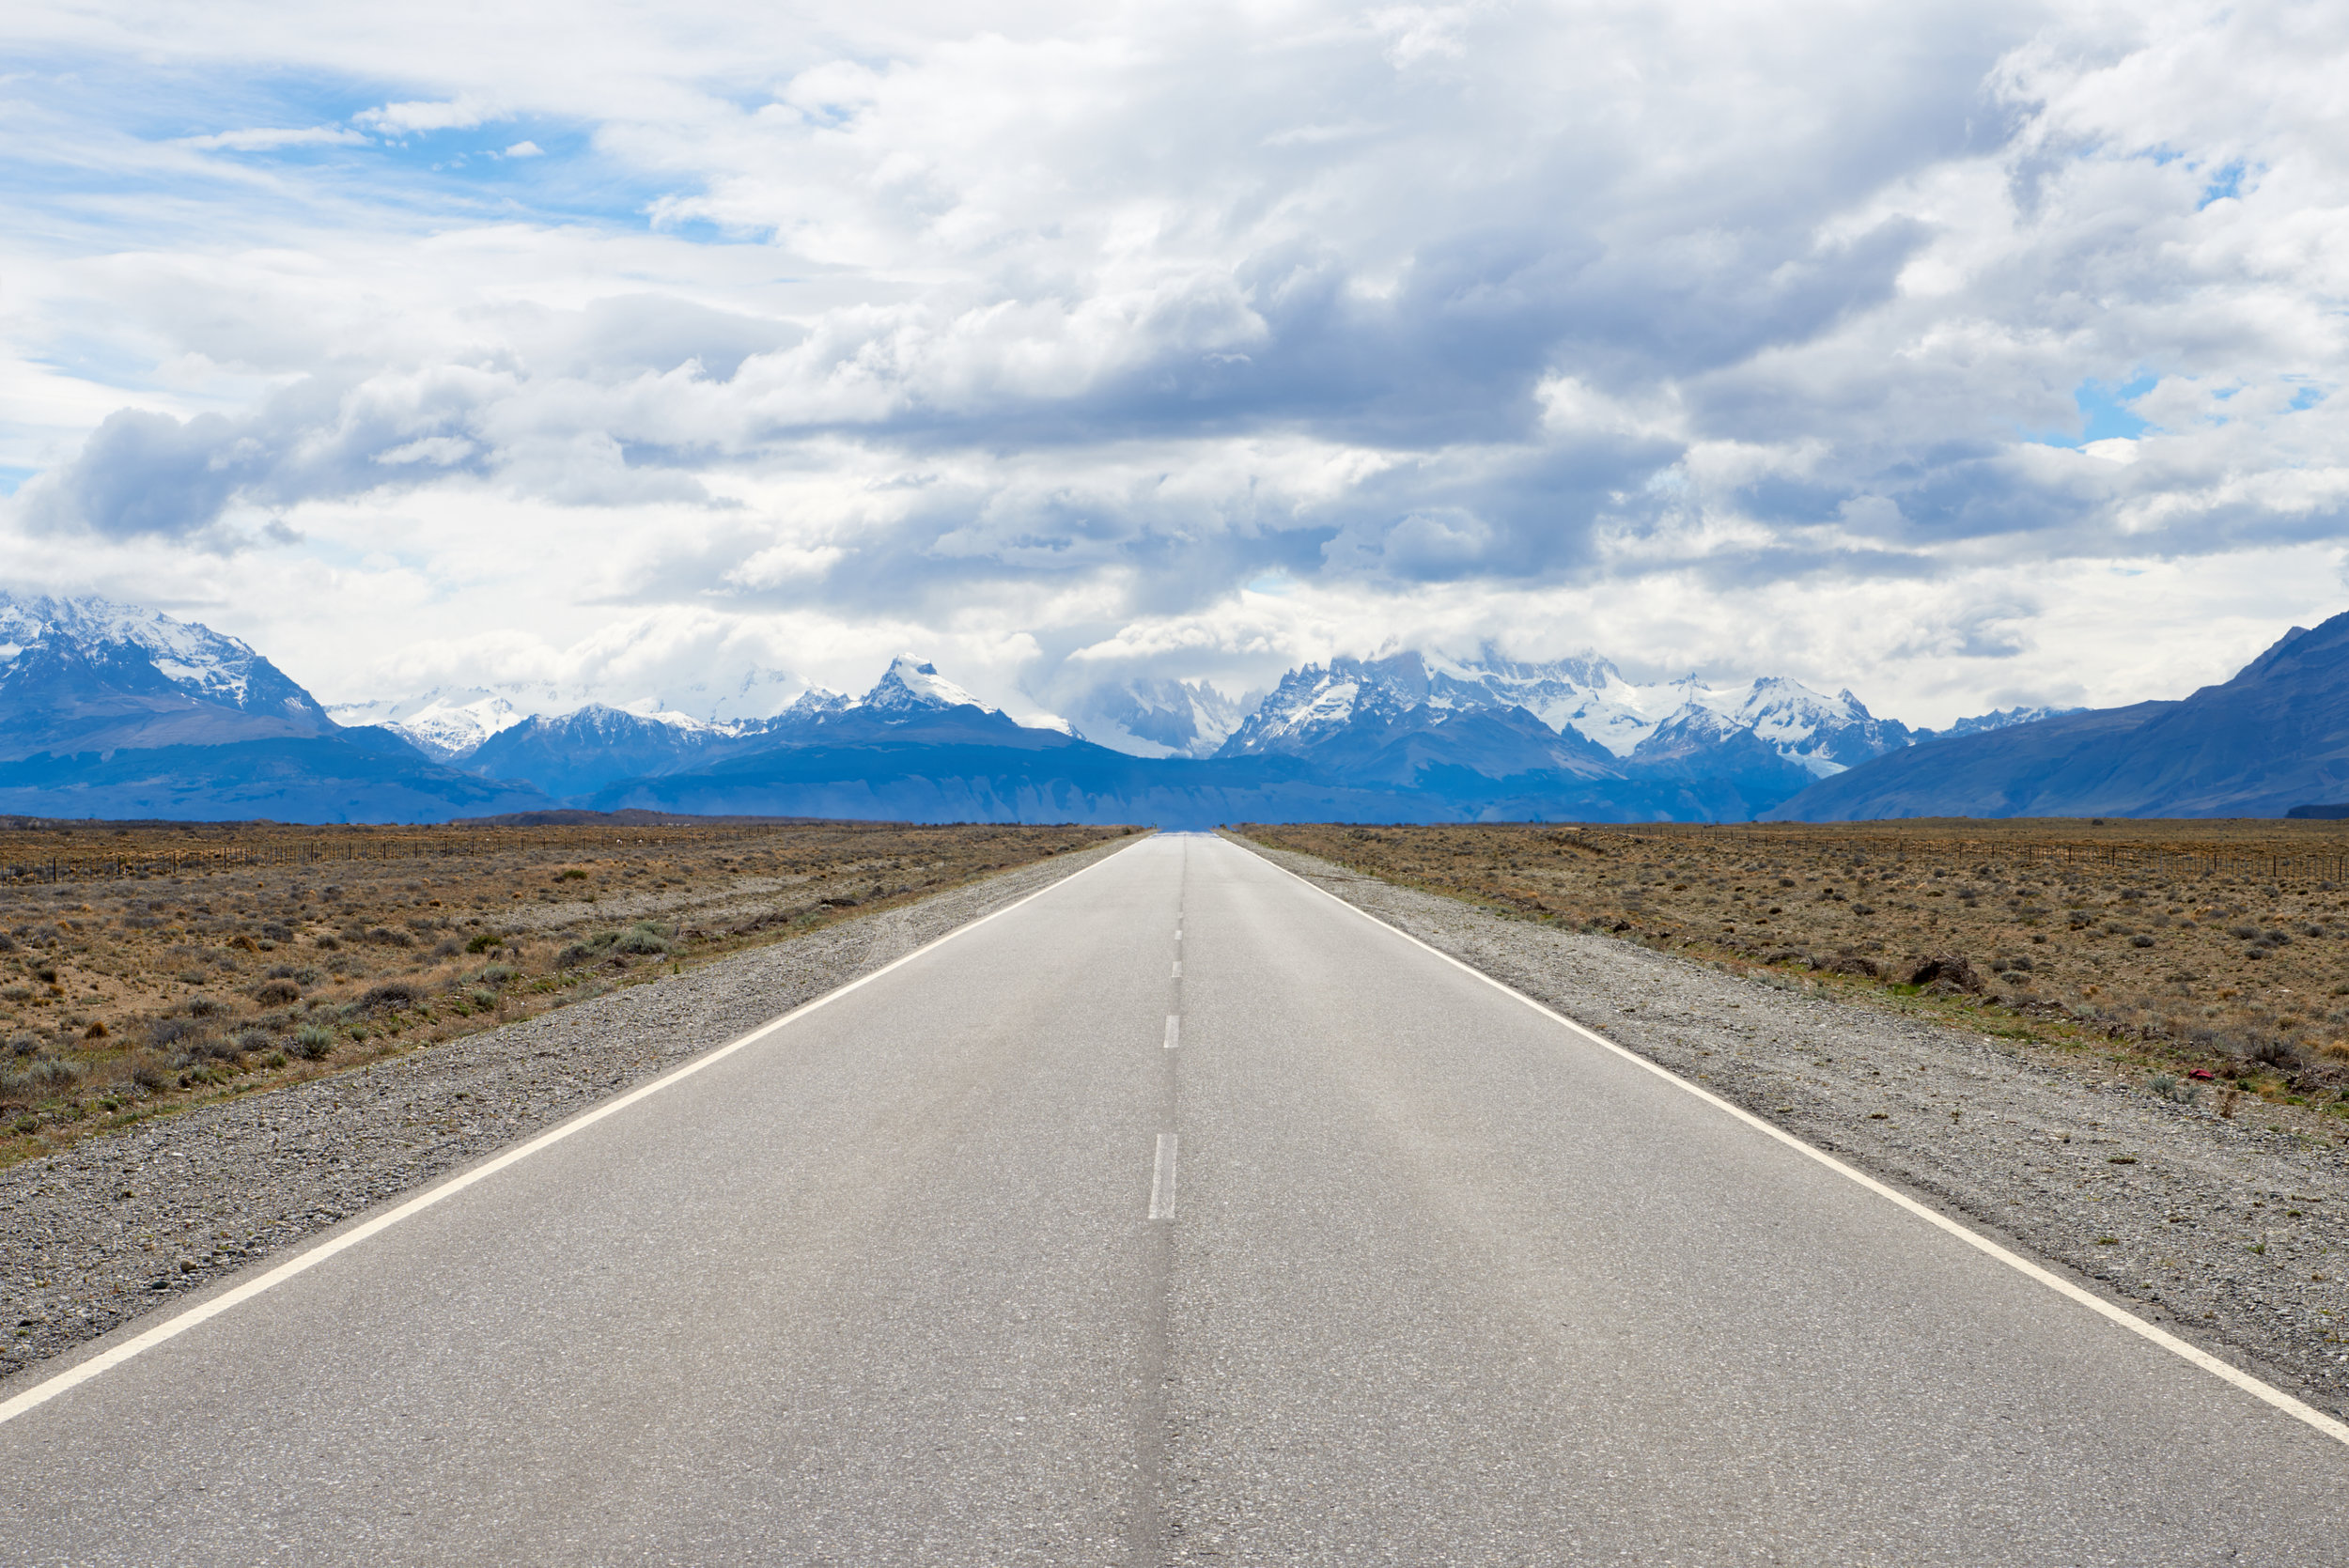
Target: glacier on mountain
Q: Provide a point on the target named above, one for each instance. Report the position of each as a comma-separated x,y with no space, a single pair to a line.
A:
446,724
1160,717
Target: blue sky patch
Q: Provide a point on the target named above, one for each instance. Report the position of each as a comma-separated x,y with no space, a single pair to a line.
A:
2224,185
320,132
2103,413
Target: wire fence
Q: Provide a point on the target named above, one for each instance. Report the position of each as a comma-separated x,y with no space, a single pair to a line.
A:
205,859
2261,865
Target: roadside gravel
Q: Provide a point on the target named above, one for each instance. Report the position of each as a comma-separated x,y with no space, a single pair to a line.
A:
124,1223
2230,1233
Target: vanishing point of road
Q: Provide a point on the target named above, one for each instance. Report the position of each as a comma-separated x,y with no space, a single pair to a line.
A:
1178,1214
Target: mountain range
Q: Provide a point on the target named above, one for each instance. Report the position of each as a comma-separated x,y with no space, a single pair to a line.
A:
1158,719
1406,736
109,710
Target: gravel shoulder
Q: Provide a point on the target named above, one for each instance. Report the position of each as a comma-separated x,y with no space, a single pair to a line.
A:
124,1223
2230,1233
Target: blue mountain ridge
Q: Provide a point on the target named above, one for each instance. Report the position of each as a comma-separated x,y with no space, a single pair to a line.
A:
972,767
356,776
572,755
2274,736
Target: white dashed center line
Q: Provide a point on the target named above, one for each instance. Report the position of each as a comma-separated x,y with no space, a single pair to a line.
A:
1174,1030
1162,1179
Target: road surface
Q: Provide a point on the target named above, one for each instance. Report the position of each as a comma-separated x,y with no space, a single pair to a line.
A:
1178,1215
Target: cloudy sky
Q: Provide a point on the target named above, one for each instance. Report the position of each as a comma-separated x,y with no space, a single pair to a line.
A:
1963,355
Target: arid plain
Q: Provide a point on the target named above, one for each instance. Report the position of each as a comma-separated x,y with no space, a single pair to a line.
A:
147,967
2216,953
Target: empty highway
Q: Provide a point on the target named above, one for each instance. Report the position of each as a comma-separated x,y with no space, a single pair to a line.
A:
1177,1215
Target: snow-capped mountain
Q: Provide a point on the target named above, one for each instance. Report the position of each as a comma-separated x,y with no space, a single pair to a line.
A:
572,755
569,746
451,723
192,660
109,710
446,723
1317,703
1821,735
1818,734
577,752
909,685
814,700
87,674
1587,694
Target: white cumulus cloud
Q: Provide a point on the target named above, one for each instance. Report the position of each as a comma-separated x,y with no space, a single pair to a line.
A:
399,119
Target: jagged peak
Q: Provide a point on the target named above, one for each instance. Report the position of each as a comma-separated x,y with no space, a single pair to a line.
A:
910,683
1694,719
819,699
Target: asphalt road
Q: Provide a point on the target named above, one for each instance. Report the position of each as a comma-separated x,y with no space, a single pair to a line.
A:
986,1261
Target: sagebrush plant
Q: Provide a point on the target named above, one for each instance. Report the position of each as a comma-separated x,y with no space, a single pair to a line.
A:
644,937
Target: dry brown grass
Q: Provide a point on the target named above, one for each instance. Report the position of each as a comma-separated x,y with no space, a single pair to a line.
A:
276,954
2218,948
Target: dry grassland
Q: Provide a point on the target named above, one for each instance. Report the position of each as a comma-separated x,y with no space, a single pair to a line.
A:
166,965
2215,954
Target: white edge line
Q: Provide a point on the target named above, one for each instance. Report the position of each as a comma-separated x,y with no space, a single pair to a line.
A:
2258,1389
43,1392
